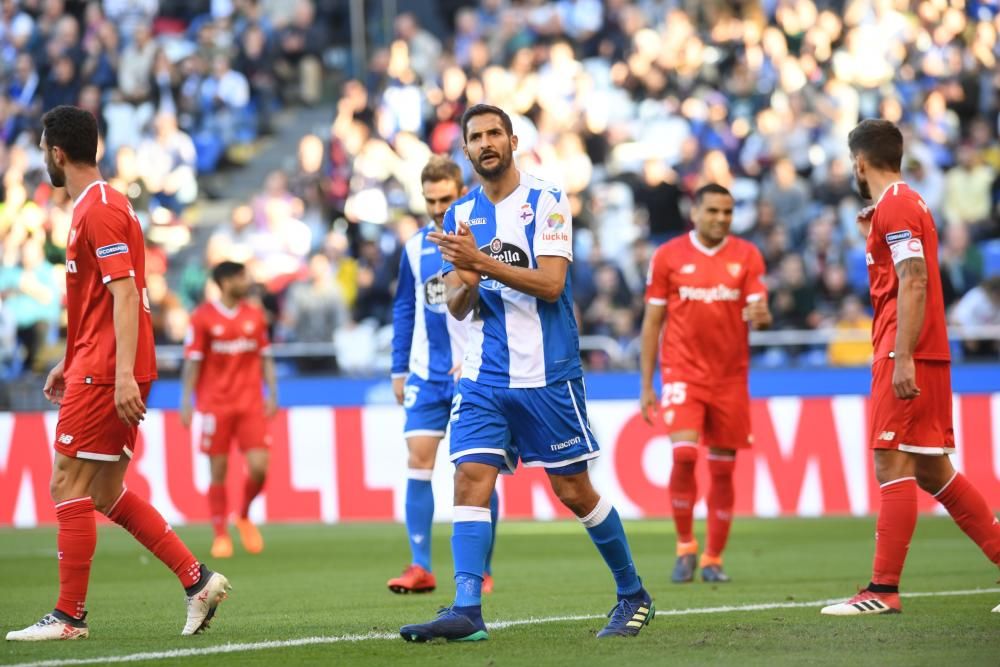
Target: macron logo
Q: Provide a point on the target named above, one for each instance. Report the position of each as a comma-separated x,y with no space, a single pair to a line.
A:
113,249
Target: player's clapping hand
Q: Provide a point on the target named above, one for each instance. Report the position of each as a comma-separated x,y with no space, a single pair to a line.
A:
864,220
128,401
55,384
459,248
904,378
648,404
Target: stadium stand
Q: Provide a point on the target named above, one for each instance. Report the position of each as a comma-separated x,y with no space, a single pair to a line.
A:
629,106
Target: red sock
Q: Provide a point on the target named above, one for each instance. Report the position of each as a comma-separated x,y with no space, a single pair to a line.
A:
76,541
147,525
217,508
972,514
250,490
721,497
684,489
897,519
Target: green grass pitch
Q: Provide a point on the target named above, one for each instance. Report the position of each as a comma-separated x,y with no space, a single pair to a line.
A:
329,581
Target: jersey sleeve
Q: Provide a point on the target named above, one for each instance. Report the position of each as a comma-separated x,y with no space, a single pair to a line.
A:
196,338
658,279
754,286
553,226
448,227
108,235
403,311
902,229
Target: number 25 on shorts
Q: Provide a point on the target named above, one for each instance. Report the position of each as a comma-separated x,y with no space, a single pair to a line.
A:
674,393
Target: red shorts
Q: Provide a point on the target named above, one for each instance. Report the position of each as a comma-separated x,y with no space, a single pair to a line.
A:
719,413
921,425
89,427
219,429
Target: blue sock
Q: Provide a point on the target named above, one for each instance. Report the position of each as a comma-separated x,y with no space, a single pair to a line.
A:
420,516
494,515
470,540
606,530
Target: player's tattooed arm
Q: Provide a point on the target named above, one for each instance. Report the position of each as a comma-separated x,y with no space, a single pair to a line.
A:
910,307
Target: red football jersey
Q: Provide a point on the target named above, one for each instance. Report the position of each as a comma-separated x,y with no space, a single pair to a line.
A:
705,291
229,344
105,244
902,227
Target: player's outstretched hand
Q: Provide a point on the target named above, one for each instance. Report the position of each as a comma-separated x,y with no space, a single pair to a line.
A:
55,384
756,313
647,404
904,378
128,401
398,387
187,410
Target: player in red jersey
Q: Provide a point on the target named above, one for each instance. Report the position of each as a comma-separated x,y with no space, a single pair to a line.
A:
704,291
101,386
226,363
910,424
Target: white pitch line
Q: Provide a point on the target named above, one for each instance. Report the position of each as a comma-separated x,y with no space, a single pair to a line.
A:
498,625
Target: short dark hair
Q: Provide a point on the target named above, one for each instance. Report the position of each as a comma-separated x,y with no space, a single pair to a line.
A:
74,131
482,110
441,168
710,189
880,141
225,270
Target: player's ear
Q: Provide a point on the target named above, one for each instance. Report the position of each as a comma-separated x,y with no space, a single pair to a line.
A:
513,143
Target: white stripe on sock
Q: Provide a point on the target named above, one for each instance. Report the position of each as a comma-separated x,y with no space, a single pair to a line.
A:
598,515
467,513
896,481
947,484
422,474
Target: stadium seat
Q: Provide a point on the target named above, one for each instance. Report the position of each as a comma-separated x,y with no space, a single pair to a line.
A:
991,258
857,269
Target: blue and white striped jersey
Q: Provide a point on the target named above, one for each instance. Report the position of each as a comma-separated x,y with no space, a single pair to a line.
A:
426,340
517,340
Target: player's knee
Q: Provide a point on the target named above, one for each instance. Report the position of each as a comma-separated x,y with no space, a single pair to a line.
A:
685,453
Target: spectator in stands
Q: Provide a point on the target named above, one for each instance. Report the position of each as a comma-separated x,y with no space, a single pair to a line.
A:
793,302
851,344
967,195
314,308
423,47
376,275
979,307
31,292
257,61
961,262
224,96
167,162
300,48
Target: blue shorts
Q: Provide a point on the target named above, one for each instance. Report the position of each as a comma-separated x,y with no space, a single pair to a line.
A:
544,427
427,404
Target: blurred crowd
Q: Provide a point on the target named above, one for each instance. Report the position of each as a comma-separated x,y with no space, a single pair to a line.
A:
628,106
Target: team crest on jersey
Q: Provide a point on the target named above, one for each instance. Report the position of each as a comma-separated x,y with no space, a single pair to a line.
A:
527,214
509,254
248,327
113,249
896,237
734,268
218,330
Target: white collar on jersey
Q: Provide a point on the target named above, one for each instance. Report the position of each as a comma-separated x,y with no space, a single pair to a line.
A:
704,248
894,186
87,189
227,312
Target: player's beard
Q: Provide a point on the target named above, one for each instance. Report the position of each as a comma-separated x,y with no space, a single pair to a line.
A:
56,175
504,160
862,187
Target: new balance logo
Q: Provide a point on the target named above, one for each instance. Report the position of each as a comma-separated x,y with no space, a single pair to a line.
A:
66,439
887,435
687,268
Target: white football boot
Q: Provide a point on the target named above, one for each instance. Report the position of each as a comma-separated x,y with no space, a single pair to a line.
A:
202,605
51,627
